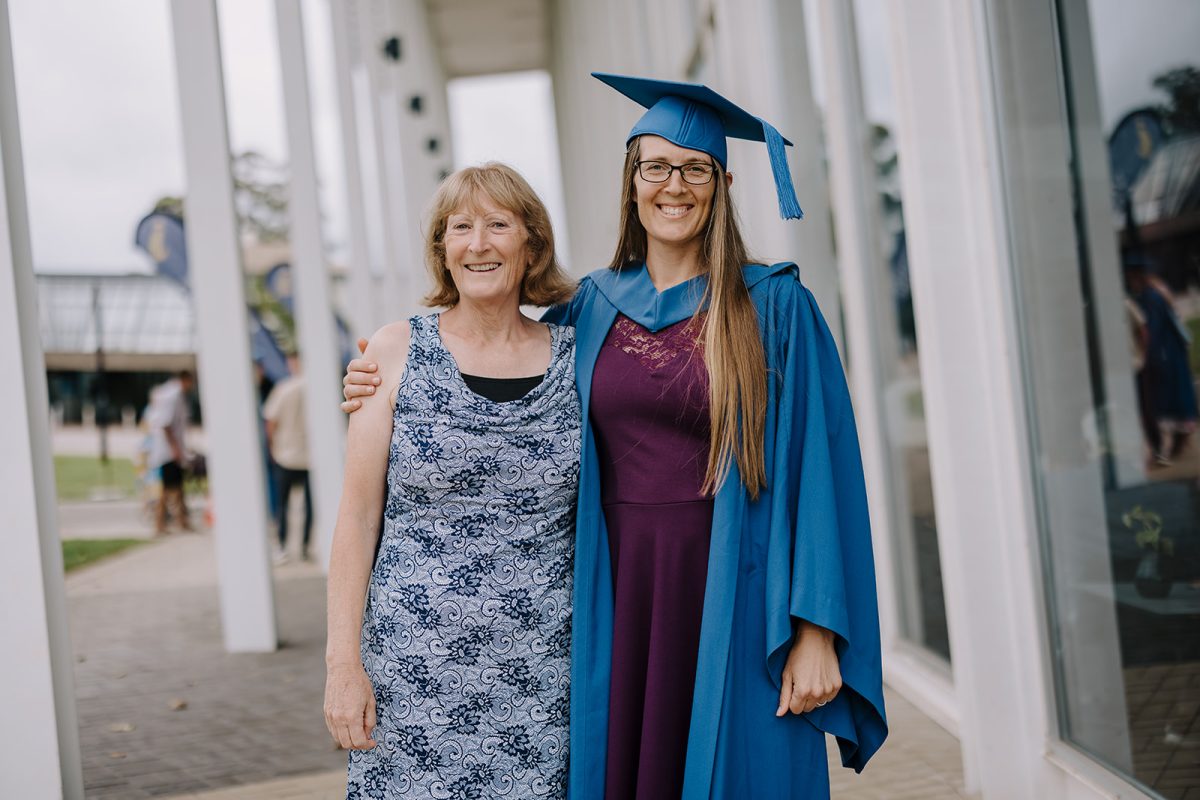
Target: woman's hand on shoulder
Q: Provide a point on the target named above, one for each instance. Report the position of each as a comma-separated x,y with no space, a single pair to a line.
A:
350,706
812,676
362,377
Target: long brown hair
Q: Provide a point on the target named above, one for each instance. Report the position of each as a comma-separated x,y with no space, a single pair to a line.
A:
733,349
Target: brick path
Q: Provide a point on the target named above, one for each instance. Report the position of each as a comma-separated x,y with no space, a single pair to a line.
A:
146,637
919,762
145,631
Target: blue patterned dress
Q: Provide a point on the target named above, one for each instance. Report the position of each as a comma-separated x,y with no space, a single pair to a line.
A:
467,628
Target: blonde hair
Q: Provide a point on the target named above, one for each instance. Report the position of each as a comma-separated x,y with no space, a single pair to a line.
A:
733,349
544,283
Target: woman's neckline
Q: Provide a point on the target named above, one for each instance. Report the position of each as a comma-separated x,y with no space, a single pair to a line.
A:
515,380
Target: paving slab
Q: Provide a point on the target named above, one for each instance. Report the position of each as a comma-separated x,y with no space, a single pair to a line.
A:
165,712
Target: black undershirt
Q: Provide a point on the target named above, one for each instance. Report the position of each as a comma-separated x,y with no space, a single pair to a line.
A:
501,390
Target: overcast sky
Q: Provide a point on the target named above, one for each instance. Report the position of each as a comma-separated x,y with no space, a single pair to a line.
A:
99,119
99,113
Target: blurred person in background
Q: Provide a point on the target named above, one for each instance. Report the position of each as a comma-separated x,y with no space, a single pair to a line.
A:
1166,393
287,440
725,609
167,419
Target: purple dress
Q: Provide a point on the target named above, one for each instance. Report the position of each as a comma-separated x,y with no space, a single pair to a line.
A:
650,413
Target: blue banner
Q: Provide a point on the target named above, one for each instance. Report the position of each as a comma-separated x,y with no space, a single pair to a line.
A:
265,351
1134,141
160,236
278,281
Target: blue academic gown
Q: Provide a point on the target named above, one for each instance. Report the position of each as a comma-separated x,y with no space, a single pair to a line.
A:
802,550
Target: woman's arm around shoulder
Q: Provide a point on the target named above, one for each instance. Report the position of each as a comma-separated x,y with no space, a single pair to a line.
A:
362,374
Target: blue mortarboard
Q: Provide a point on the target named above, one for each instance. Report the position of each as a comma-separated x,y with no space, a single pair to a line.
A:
694,116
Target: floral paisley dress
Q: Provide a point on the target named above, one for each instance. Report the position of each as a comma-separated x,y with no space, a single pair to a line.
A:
467,628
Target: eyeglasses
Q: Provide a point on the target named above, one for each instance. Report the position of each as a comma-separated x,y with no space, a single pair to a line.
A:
696,173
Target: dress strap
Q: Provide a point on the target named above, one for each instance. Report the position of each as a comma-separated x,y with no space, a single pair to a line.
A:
422,344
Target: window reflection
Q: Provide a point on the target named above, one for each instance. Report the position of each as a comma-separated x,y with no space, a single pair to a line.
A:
914,521
1140,279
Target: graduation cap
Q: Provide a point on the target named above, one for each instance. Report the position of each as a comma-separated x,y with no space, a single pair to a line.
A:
692,115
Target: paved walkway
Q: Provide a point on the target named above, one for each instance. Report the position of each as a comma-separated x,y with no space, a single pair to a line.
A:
165,712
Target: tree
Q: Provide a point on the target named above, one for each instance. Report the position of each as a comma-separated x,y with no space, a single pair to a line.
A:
259,196
1182,111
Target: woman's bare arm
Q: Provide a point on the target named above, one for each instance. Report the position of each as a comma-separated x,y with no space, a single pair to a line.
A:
349,698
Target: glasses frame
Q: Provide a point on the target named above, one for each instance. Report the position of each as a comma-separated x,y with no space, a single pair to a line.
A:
671,169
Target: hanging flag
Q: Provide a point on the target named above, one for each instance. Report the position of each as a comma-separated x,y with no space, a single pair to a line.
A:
265,351
278,282
160,236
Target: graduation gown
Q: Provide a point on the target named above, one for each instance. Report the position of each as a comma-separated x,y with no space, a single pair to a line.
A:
802,550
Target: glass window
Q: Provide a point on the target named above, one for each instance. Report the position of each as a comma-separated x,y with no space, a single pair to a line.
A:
923,607
1106,208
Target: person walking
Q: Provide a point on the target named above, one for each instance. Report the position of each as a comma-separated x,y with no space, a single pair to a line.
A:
167,419
287,440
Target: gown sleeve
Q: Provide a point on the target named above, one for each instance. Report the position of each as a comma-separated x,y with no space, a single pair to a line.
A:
820,566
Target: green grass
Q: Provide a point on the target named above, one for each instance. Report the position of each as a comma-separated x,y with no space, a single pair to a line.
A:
82,477
78,552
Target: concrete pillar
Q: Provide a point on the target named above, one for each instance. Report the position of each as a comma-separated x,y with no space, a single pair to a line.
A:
775,83
357,19
420,139
870,324
223,348
360,313
39,747
593,122
974,395
315,325
383,162
869,317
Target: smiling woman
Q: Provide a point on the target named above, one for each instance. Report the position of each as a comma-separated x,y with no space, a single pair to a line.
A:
673,210
450,576
480,211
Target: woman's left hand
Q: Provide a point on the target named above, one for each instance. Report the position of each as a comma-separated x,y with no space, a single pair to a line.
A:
811,676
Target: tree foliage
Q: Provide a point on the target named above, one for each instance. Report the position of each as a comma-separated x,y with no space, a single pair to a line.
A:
259,197
1181,112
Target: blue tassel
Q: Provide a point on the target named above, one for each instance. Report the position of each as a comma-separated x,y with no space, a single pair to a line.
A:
789,206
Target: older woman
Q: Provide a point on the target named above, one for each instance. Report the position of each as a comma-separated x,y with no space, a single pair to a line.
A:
447,655
725,612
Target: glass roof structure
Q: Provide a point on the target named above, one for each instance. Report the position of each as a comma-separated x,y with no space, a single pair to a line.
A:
140,321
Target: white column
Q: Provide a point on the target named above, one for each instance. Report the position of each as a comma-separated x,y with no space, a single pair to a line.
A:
39,745
223,347
871,337
971,371
317,331
593,122
776,85
360,17
418,168
360,310
371,80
